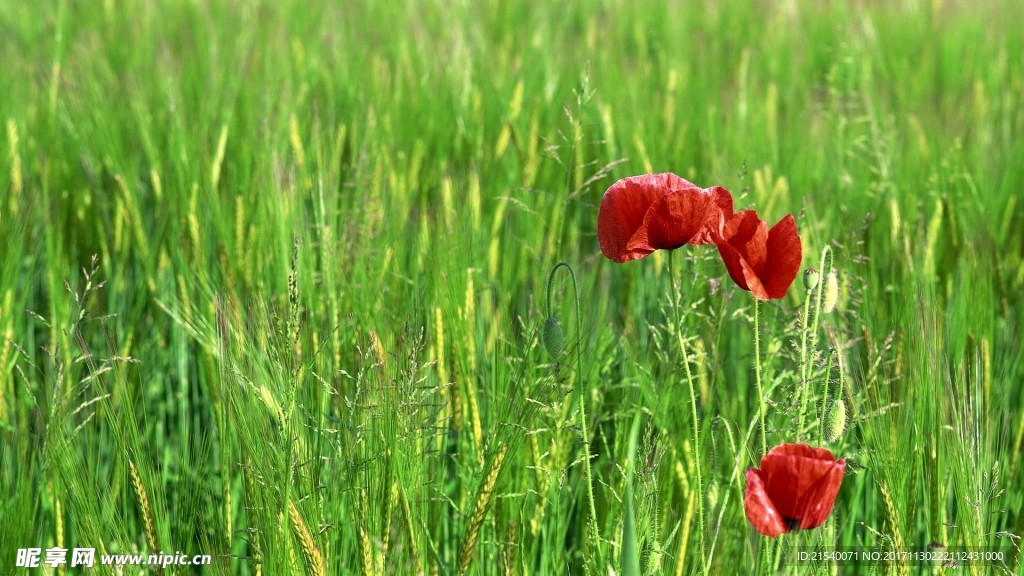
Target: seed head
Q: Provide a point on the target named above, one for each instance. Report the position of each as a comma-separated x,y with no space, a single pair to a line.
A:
810,278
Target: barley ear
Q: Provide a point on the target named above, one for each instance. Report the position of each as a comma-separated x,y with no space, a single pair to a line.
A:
146,510
310,552
483,501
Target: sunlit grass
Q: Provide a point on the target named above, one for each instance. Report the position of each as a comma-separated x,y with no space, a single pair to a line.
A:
325,231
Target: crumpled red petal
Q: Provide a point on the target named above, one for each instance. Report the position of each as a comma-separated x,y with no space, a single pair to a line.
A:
641,214
759,508
622,212
686,216
758,259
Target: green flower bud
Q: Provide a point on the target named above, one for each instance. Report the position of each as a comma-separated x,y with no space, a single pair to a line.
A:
554,338
810,278
831,292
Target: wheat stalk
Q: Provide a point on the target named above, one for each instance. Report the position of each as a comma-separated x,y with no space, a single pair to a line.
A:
146,510
392,503
483,501
894,525
365,550
474,413
409,528
310,551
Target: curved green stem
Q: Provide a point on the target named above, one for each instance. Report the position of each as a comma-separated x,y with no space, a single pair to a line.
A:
693,406
595,533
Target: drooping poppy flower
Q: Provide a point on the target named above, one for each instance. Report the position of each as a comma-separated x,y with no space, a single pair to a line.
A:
641,214
795,487
758,259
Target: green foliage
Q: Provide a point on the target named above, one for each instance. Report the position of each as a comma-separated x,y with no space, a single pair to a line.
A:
323,232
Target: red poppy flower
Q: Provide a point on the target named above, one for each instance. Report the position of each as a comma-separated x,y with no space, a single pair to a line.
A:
641,214
795,487
758,259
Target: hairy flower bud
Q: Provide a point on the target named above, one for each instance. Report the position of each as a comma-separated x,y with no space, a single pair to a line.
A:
831,292
835,421
554,338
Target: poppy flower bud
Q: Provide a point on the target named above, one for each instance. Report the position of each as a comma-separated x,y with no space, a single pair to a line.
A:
835,421
554,338
810,278
831,292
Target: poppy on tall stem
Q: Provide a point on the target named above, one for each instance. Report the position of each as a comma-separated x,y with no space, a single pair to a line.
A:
642,214
765,262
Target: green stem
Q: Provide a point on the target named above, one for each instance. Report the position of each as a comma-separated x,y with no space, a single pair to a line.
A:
595,533
676,305
824,402
825,270
804,369
757,375
807,364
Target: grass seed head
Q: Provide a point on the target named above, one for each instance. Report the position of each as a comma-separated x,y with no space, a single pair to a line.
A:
146,509
483,501
310,552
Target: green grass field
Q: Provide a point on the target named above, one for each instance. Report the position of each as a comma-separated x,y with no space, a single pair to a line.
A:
274,278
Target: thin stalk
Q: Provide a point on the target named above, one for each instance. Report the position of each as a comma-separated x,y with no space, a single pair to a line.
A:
803,360
826,252
824,401
757,374
595,533
693,406
760,399
806,364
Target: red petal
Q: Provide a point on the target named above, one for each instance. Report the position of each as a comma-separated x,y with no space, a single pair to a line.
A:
722,200
784,256
741,240
622,212
753,282
802,482
684,216
818,501
759,508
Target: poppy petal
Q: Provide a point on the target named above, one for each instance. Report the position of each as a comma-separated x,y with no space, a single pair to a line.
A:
759,508
792,473
753,282
818,501
622,212
758,259
683,216
735,234
784,256
722,200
